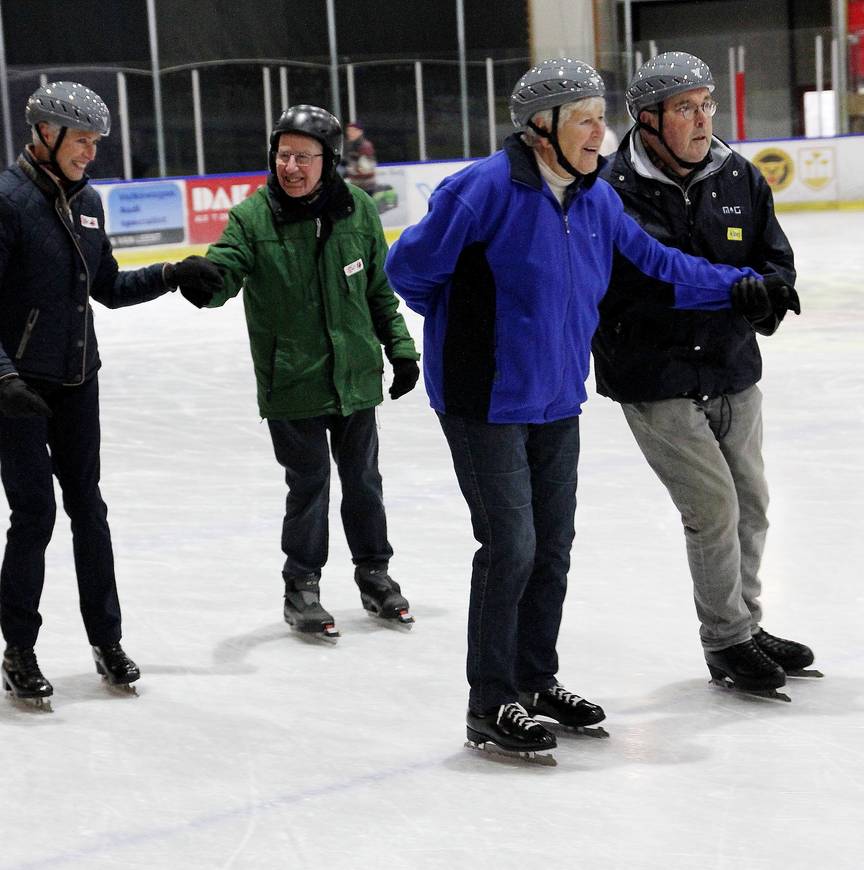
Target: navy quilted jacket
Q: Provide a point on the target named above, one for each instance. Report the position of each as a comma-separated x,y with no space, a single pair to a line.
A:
54,257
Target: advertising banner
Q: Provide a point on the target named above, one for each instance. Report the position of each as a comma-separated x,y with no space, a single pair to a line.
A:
144,213
209,199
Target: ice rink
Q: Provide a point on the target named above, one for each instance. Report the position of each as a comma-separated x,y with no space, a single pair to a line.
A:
251,748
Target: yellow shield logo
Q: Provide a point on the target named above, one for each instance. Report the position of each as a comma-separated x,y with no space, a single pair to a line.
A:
777,167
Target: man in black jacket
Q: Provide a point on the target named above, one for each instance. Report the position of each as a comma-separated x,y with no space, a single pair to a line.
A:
686,380
54,256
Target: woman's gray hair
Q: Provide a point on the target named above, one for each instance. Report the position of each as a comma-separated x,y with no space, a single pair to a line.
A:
544,119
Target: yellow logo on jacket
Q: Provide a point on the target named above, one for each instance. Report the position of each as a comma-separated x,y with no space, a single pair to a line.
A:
734,234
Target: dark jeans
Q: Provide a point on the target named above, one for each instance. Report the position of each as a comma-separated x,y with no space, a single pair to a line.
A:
31,450
520,485
301,449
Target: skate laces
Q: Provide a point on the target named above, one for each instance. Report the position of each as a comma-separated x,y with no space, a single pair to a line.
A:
517,715
755,654
570,698
23,661
770,643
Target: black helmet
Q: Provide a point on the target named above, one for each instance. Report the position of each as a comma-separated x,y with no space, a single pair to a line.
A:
664,76
69,104
553,83
309,121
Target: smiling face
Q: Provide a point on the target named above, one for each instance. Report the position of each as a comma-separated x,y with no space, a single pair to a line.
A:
688,138
580,134
294,179
76,152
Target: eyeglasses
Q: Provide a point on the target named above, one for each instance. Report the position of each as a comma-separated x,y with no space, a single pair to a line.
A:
301,158
688,110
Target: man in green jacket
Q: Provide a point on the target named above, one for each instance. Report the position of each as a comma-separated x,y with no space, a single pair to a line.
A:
308,252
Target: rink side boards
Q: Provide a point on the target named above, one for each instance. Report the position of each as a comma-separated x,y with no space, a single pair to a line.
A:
170,218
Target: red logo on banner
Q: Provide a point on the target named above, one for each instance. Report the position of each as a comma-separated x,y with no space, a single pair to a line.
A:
209,200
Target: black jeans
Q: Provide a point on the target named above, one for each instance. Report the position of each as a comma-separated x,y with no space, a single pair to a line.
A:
31,450
520,485
301,449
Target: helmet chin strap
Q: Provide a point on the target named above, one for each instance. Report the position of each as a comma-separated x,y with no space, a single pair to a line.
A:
52,153
556,145
658,132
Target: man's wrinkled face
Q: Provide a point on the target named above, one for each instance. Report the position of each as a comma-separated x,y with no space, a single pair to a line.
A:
687,128
299,164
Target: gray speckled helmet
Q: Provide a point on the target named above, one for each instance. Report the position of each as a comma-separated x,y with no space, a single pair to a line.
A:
553,83
69,104
664,76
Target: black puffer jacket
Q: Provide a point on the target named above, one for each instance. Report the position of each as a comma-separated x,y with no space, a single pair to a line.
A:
54,256
645,351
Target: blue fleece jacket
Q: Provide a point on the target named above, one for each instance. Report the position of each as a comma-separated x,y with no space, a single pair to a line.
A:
509,282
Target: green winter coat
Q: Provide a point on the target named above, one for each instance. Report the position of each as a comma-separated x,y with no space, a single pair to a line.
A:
316,321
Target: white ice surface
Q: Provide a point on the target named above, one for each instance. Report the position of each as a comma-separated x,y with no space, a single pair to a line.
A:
250,748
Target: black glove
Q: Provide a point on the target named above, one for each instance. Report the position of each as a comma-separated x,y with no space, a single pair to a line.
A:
405,374
17,399
783,297
750,299
197,278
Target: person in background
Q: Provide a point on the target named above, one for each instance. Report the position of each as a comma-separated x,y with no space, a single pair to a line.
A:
55,257
308,252
359,161
508,269
686,380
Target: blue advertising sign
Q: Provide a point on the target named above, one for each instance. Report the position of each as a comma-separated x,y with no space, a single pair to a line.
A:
146,213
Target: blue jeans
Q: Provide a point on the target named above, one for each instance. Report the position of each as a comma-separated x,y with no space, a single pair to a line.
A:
32,451
301,449
519,481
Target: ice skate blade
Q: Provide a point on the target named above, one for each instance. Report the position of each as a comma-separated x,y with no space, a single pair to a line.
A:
328,635
327,632
403,622
31,705
805,672
497,753
123,689
770,694
595,731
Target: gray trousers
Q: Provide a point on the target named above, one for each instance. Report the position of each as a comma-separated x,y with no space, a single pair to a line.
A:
709,456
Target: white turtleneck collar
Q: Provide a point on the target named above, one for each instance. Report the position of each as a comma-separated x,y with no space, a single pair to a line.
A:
558,184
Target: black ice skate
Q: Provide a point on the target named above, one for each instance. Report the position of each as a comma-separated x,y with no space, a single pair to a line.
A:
509,732
22,677
793,657
116,667
745,667
303,610
381,595
566,708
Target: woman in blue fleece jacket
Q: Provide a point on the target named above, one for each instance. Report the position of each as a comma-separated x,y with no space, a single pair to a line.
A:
508,268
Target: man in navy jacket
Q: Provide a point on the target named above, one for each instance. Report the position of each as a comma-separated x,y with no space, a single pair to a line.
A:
508,268
686,380
54,257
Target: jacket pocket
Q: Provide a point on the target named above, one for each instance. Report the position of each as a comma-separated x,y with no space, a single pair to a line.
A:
29,324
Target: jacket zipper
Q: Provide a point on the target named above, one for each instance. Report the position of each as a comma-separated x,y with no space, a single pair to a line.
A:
70,228
272,370
32,317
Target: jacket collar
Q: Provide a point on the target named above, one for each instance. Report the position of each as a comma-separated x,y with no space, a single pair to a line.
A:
334,201
46,181
633,159
523,165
